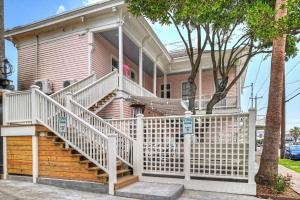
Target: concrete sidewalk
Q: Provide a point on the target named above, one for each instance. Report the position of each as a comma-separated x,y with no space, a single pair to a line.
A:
295,177
16,190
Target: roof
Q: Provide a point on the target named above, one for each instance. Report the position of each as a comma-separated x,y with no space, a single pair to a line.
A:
65,16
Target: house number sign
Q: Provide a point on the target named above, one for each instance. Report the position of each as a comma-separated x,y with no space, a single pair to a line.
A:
187,125
62,125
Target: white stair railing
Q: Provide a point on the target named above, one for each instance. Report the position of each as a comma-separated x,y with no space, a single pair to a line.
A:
80,135
60,95
135,89
92,93
124,143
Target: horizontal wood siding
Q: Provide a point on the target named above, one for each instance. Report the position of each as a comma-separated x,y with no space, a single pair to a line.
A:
64,58
111,111
26,66
19,155
57,163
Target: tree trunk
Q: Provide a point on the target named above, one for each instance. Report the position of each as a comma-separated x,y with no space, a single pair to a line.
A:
269,160
192,94
217,97
282,136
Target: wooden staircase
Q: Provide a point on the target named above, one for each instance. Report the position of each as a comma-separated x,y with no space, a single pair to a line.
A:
124,173
97,107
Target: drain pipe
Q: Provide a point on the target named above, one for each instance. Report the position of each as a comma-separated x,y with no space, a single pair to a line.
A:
36,56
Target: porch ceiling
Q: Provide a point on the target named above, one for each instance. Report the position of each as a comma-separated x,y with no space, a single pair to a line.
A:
131,51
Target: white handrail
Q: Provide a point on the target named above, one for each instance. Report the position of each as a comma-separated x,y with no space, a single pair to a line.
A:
80,135
59,95
92,93
135,89
124,142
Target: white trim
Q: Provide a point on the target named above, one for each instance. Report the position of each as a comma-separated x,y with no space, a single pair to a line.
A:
181,82
5,158
165,93
18,131
35,160
90,50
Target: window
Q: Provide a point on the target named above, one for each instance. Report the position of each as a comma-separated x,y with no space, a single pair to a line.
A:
114,63
185,90
162,91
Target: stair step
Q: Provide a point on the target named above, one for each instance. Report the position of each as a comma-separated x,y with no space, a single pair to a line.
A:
126,180
76,155
119,172
84,161
60,142
93,168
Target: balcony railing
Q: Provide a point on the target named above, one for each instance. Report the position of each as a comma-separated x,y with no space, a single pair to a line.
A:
227,102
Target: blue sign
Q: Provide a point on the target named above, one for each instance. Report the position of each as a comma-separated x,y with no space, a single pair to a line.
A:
187,125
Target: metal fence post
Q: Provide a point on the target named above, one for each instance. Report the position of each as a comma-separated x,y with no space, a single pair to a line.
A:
251,161
34,113
112,162
187,152
138,147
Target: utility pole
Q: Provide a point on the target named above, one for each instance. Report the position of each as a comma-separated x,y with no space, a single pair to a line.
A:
255,106
252,95
282,136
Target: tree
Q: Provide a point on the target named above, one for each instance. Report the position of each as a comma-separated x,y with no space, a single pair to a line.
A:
234,31
295,132
284,46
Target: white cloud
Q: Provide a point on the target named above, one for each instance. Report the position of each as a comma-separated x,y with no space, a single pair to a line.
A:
60,9
88,2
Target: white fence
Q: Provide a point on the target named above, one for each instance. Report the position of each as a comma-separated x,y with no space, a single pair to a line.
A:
60,95
91,94
221,146
17,108
135,89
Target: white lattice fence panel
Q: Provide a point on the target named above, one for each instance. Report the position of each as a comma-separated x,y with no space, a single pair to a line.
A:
127,126
220,146
163,146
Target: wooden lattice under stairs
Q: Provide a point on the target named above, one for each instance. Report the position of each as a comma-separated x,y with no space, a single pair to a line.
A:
102,103
124,173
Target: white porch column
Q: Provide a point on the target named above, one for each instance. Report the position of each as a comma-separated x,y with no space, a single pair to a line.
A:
200,88
165,85
154,77
35,164
5,158
121,59
251,156
187,151
141,69
112,163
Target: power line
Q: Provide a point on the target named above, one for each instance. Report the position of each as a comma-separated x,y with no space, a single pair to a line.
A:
292,68
293,92
293,97
262,85
293,82
262,58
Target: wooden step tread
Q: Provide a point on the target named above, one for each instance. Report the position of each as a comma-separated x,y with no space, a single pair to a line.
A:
122,171
126,180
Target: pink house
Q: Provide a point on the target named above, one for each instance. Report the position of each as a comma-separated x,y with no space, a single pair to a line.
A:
94,39
84,79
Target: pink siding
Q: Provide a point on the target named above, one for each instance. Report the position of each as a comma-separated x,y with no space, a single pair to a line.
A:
207,84
112,110
58,60
101,61
26,67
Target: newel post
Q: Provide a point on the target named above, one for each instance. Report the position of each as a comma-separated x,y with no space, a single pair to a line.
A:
68,98
187,151
34,113
252,135
112,163
138,146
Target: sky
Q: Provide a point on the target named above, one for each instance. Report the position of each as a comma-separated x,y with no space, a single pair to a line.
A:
20,12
